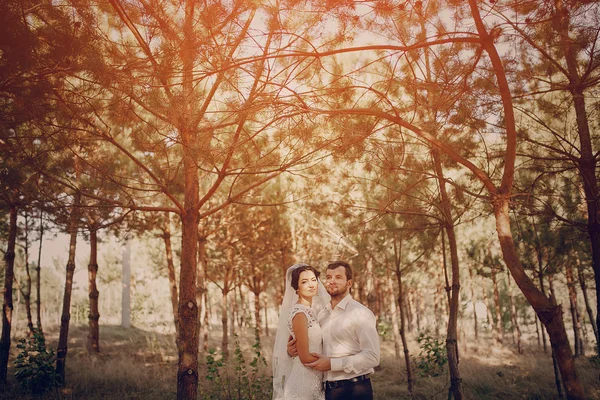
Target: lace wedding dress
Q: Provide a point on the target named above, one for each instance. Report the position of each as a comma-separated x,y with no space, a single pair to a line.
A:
305,383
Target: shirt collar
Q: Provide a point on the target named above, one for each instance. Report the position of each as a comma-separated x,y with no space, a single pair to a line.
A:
342,304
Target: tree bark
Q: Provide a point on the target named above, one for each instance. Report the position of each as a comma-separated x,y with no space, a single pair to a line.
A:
187,373
499,331
126,284
27,292
393,310
550,314
93,342
200,291
166,229
65,319
38,285
454,295
224,322
474,302
513,315
586,299
574,310
409,373
7,305
587,162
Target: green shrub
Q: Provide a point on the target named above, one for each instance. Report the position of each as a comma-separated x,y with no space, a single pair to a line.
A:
35,364
432,357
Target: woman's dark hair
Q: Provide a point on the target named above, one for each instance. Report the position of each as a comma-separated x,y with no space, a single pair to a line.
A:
337,264
297,271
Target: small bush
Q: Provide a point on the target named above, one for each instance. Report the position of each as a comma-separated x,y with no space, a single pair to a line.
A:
35,364
432,357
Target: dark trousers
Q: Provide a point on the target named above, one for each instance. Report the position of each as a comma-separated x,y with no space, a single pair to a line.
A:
361,390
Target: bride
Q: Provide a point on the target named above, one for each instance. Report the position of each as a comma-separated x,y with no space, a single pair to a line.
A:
304,297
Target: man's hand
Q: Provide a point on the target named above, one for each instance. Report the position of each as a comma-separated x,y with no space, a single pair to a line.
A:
292,350
322,364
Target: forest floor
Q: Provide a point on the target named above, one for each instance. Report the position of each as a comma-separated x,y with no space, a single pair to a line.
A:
138,364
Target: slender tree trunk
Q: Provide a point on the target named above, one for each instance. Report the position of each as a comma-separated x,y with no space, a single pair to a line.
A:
27,291
7,305
419,306
586,299
126,284
453,294
166,228
541,280
574,310
201,287
409,374
488,308
205,319
394,311
474,302
499,331
370,286
224,321
257,318
38,285
537,331
513,315
93,342
63,338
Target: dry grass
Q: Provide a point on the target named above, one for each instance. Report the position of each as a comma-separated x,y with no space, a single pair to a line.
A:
136,364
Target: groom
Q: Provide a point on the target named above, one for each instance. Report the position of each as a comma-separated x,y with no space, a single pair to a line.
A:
350,340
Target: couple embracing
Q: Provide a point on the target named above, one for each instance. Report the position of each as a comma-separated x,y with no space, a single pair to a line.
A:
327,343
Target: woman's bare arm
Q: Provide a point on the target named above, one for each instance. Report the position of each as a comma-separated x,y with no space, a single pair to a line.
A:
300,327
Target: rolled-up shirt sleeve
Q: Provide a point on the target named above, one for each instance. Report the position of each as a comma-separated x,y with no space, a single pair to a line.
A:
368,340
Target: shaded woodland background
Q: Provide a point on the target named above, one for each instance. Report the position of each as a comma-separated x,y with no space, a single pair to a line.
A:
164,162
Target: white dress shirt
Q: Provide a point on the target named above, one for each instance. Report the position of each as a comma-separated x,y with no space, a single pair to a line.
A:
350,339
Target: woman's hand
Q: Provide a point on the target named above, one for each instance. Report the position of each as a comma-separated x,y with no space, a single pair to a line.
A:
292,350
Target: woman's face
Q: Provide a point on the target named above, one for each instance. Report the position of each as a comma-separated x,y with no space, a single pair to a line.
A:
307,284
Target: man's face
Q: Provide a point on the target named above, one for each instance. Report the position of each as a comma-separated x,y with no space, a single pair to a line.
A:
336,282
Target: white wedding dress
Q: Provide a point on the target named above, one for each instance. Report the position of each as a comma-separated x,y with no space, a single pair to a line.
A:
291,379
305,383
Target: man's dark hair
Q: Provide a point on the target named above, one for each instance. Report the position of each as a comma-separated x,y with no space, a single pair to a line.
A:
347,267
297,271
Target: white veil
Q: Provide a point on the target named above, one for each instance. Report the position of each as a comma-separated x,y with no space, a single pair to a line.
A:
282,362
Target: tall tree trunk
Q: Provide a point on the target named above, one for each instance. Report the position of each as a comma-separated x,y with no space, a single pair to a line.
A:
38,285
409,372
488,308
166,229
370,286
587,161
586,300
513,315
205,319
394,311
454,296
541,281
93,342
574,310
201,288
474,302
7,305
187,343
257,318
27,291
224,322
499,331
550,314
63,338
126,284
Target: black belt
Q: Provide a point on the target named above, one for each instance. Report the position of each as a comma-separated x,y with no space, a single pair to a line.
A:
344,382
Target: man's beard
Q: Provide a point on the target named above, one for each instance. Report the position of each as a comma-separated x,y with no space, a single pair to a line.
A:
336,291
